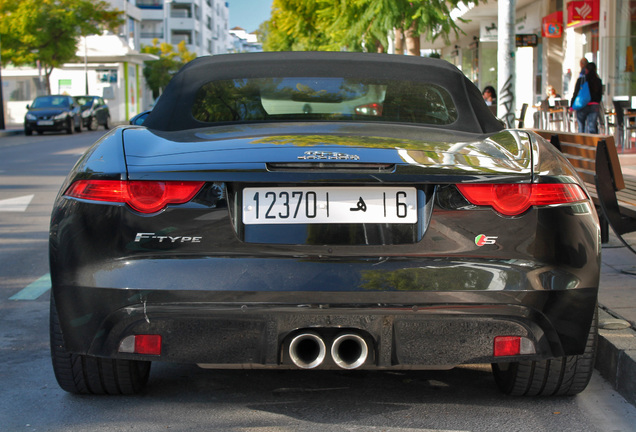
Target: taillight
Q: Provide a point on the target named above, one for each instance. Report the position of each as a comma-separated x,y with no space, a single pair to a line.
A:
143,196
514,199
372,109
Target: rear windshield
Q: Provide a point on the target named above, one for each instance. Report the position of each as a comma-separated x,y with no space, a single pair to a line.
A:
262,99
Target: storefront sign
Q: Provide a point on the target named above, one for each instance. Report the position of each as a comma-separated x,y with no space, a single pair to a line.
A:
526,40
582,12
552,25
488,31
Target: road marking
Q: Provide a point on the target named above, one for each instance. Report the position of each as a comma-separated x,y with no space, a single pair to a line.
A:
34,290
18,204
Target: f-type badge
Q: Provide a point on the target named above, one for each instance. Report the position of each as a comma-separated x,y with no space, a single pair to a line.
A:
325,155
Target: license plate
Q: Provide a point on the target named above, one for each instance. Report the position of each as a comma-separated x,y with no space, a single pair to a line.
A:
45,122
327,205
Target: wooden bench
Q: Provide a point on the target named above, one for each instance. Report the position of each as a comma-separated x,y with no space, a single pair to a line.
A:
596,161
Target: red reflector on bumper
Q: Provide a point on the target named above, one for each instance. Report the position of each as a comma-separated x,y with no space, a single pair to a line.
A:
512,345
141,344
507,346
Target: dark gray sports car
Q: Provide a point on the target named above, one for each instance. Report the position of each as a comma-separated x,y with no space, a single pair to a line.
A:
323,210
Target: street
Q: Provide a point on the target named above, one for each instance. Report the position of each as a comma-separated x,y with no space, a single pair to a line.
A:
187,398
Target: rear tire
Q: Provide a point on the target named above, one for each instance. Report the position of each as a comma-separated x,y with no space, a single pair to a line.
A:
82,374
562,376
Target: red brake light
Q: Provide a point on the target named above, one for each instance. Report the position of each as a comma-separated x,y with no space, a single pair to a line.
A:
143,196
372,109
514,199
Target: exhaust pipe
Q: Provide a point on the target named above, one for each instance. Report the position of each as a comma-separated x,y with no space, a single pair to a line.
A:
349,351
307,350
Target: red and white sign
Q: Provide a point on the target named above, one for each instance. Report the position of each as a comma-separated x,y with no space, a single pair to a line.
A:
582,12
552,25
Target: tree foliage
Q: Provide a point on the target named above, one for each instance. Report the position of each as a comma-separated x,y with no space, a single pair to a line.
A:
158,73
358,25
50,30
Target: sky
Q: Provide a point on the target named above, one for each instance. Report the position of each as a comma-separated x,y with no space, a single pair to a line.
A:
249,14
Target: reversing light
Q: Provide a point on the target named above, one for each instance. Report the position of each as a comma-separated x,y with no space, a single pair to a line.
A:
514,199
143,196
141,344
512,346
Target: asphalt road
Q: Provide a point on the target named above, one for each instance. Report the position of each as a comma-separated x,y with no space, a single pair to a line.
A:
186,398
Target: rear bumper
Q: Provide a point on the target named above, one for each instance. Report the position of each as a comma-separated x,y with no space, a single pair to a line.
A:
253,329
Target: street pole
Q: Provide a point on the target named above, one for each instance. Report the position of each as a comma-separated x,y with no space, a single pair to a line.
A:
2,125
85,66
506,61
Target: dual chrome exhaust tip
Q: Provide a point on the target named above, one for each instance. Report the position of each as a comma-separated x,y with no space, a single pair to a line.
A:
348,350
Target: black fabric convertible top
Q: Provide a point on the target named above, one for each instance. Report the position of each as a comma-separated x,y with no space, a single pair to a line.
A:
173,111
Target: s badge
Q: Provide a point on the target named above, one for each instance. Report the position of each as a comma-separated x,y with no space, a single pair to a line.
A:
482,240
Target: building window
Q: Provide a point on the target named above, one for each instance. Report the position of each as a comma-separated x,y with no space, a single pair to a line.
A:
152,29
181,35
180,11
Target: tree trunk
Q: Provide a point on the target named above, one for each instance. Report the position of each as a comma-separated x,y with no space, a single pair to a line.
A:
412,41
399,41
47,74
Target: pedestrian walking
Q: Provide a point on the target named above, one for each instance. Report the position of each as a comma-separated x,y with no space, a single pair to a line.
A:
587,114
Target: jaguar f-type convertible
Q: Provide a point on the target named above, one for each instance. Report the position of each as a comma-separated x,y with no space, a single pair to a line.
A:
323,211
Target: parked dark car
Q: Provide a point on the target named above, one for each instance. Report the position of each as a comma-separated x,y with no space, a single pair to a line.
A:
52,113
94,112
323,211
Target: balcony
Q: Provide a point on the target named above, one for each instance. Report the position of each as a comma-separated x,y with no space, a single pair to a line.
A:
149,4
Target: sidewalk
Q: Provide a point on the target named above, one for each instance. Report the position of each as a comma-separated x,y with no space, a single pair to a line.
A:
616,358
11,130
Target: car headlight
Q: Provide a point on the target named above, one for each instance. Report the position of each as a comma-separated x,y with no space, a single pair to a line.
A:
86,113
30,116
60,116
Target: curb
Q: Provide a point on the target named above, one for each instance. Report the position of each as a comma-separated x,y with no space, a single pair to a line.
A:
616,358
11,132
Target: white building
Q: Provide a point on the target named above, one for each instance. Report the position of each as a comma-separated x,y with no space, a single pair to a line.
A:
203,24
242,41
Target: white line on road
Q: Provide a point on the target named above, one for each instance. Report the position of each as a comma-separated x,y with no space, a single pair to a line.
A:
18,204
34,290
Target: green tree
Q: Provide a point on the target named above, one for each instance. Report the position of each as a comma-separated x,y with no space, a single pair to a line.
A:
302,25
359,25
158,73
49,30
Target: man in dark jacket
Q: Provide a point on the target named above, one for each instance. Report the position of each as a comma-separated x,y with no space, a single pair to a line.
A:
587,116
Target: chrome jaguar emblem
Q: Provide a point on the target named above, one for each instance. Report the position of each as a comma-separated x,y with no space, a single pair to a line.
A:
326,155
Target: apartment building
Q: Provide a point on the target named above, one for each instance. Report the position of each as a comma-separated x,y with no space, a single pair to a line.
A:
202,24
